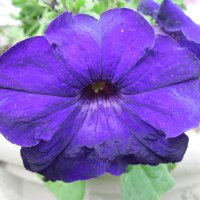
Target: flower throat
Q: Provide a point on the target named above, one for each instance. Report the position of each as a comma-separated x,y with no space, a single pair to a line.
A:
99,89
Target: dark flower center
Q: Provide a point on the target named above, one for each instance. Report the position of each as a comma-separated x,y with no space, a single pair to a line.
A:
99,89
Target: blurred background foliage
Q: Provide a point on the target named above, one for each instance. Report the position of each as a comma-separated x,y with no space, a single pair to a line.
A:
35,15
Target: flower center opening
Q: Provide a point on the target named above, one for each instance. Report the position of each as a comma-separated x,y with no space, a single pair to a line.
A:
99,89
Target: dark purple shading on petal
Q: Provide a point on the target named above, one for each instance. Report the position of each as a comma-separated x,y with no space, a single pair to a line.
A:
77,41
32,66
184,42
126,37
85,164
71,119
115,138
170,150
148,7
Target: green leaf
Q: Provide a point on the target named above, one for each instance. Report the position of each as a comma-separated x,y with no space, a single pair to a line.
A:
145,182
100,6
103,4
67,191
69,5
120,4
171,166
78,4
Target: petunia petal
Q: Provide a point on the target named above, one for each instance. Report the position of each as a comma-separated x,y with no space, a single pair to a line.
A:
107,139
166,64
184,42
102,42
26,119
84,165
125,38
32,66
173,109
77,41
169,150
147,145
40,156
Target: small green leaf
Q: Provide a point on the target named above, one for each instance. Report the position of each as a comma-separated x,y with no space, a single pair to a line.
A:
67,191
120,4
171,166
100,6
103,4
145,182
78,4
69,5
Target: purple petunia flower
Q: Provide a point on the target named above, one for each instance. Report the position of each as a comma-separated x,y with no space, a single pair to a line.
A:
92,96
174,22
